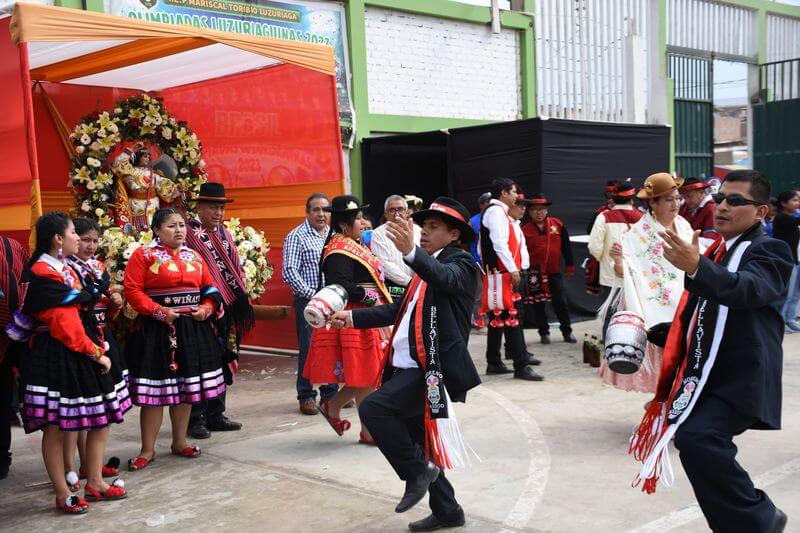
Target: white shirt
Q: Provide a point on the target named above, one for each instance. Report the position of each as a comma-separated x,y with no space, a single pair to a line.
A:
401,349
524,255
729,243
496,221
395,269
603,236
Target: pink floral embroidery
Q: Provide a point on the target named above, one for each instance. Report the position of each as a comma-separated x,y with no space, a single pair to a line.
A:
338,370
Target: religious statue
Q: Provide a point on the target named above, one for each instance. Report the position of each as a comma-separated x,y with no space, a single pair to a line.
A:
141,187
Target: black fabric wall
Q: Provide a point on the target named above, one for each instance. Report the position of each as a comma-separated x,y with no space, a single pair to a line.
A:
404,164
567,160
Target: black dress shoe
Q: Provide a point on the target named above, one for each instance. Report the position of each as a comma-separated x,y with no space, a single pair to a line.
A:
223,423
780,521
570,338
199,430
417,488
528,374
432,523
545,339
497,368
530,359
4,470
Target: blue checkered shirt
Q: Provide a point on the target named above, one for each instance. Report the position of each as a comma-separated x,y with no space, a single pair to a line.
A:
302,252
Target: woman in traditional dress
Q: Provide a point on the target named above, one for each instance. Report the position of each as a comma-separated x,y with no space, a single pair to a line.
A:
68,381
350,356
96,280
173,353
650,285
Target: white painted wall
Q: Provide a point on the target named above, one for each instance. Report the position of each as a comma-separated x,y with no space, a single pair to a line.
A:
426,66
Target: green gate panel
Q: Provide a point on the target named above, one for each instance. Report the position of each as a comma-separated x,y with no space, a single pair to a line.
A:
776,143
694,143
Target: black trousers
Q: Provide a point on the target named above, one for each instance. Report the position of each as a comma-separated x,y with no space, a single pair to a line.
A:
723,489
213,408
559,301
394,415
6,397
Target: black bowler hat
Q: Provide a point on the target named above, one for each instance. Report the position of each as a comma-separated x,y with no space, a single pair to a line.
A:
212,192
693,183
452,210
625,190
345,203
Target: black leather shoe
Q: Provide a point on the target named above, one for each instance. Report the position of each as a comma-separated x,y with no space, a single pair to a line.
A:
417,488
432,523
4,470
199,430
570,338
530,359
497,368
223,423
780,521
528,374
545,339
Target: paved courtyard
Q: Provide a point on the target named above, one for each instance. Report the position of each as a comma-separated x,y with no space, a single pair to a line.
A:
553,459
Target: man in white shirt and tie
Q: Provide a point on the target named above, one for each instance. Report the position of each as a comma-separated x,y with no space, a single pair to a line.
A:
428,364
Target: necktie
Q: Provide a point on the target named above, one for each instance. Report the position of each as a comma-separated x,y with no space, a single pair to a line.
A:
720,253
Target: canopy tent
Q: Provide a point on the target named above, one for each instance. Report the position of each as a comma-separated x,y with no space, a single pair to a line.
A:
264,109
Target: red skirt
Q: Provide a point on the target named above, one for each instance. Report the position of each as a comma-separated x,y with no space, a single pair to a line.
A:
355,357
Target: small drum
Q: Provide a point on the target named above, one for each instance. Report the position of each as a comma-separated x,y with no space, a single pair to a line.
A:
626,338
324,304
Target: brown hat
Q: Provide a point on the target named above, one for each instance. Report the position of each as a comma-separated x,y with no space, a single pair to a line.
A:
658,185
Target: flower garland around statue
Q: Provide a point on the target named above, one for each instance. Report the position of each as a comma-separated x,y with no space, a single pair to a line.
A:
101,135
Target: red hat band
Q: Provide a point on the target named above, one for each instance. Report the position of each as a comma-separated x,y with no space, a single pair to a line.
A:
448,211
694,186
539,201
625,194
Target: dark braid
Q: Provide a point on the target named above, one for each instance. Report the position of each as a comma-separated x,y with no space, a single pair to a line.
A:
48,226
162,215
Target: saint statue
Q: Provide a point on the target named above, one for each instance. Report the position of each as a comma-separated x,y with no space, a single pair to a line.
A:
141,187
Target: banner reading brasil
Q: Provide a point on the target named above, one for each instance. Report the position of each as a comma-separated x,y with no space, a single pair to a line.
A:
315,23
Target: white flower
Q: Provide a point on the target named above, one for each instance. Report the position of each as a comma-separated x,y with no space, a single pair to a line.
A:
117,110
113,128
101,132
80,149
96,146
104,197
166,133
85,139
85,206
90,185
98,212
93,162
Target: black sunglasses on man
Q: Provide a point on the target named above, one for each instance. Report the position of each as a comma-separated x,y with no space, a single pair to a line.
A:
734,200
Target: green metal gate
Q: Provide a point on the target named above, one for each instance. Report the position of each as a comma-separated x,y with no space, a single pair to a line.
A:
694,114
776,124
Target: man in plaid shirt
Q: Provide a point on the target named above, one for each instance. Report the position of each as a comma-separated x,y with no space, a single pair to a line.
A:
302,251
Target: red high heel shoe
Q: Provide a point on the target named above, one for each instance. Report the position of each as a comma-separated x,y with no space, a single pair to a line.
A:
339,425
115,492
73,505
366,439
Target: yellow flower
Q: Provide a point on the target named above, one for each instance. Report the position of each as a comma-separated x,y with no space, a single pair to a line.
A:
85,128
104,120
107,142
103,179
147,130
82,175
179,152
105,221
135,113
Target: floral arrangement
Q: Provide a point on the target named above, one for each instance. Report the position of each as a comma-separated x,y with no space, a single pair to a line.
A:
252,247
99,135
116,247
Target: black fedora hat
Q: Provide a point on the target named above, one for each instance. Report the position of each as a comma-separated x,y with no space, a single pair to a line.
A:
451,209
345,203
212,191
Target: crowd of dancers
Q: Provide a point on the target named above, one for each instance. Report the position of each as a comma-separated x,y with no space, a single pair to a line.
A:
414,294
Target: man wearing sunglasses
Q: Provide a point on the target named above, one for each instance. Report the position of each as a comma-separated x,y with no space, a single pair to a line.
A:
721,373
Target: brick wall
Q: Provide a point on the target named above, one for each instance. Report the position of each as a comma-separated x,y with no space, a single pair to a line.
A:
425,66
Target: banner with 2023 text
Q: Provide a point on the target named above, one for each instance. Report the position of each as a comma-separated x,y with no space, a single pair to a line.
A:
315,22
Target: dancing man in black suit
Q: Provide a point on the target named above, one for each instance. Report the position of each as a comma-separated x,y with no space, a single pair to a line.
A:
723,359
428,350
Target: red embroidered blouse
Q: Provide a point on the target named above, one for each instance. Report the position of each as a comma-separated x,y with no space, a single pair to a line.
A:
64,322
158,267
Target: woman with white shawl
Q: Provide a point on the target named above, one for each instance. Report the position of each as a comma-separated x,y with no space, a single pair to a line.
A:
648,284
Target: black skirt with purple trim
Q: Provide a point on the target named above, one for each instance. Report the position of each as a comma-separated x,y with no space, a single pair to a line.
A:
66,389
198,357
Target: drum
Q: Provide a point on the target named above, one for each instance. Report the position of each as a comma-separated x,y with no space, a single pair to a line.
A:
324,304
626,339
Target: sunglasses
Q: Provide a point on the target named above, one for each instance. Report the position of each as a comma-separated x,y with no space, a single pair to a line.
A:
734,200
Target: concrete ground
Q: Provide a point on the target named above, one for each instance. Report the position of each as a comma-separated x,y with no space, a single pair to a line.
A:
553,459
